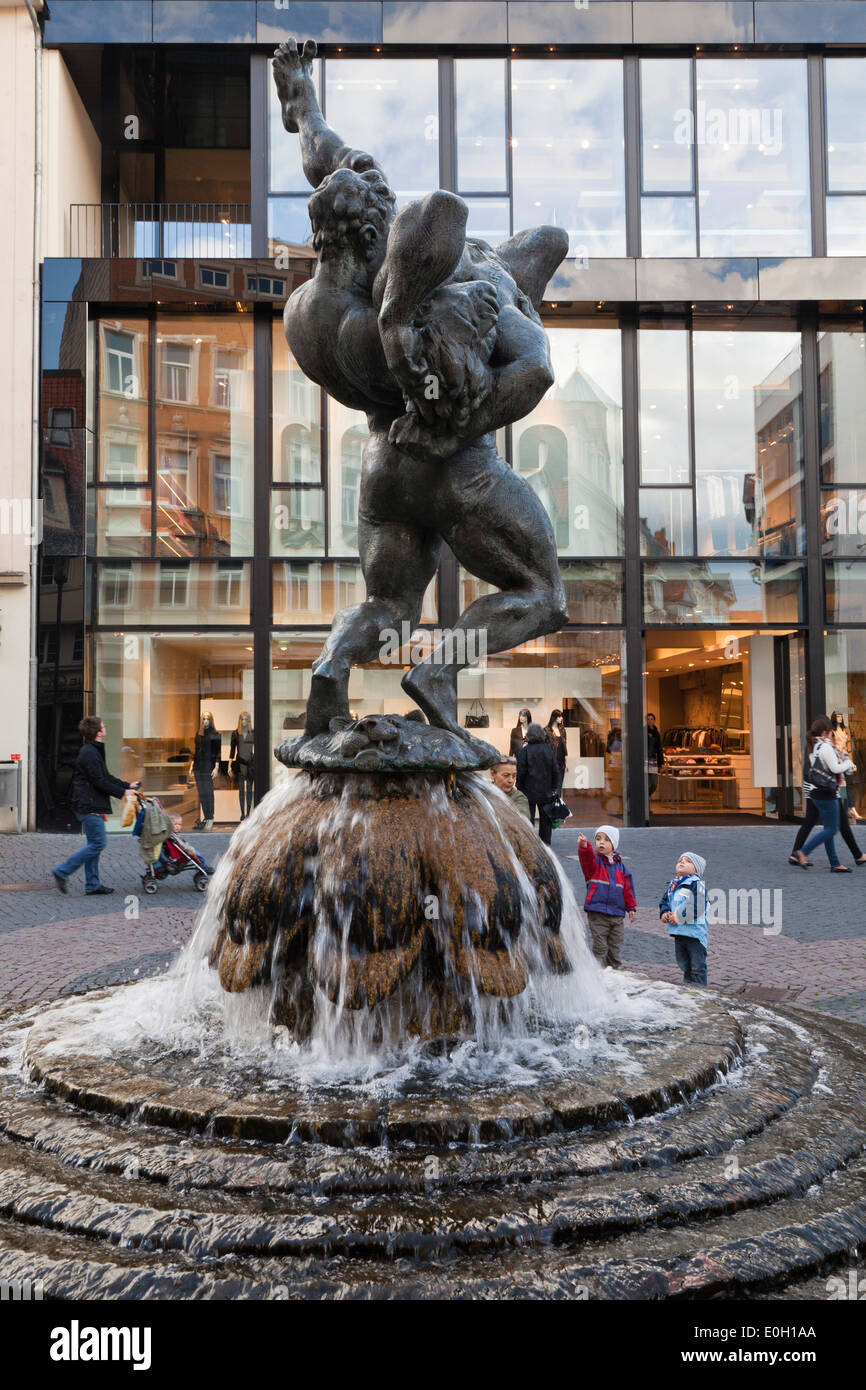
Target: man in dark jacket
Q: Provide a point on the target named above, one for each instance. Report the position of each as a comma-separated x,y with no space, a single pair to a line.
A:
654,754
92,789
538,777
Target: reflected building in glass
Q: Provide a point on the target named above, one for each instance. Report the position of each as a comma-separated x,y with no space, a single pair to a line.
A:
700,453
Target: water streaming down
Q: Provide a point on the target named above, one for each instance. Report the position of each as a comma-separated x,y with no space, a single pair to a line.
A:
569,1018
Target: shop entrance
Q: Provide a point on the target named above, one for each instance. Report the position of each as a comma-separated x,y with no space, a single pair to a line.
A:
729,708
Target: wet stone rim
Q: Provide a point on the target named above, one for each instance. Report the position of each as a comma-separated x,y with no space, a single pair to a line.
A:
681,1069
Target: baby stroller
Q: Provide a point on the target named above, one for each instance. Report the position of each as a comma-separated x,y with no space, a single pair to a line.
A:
164,853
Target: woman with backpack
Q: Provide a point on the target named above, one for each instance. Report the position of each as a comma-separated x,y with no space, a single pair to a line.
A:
823,772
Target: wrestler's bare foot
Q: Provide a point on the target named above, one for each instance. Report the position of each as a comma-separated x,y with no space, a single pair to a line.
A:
329,697
433,688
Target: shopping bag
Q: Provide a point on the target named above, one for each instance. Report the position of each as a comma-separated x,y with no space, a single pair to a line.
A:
556,811
129,810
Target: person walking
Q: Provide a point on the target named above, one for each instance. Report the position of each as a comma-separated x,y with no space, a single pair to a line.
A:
823,771
654,754
518,733
555,734
208,746
538,777
242,757
92,789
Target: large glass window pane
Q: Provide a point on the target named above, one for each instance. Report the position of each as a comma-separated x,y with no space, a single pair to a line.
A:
733,592
288,223
845,675
480,118
298,521
153,691
842,384
663,356
846,591
845,94
846,226
668,227
666,521
313,593
172,592
122,521
581,674
751,130
593,592
390,108
568,150
297,426
667,164
569,449
347,434
204,435
488,219
843,521
748,443
123,400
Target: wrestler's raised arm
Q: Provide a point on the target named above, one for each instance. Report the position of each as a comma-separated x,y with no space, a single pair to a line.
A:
322,150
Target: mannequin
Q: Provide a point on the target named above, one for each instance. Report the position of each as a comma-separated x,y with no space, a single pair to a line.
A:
518,733
554,732
205,762
243,762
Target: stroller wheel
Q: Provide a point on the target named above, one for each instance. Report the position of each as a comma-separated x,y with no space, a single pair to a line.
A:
200,882
150,885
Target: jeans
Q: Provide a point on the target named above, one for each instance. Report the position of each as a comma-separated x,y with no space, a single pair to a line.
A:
246,783
94,829
204,783
545,826
692,959
812,817
828,811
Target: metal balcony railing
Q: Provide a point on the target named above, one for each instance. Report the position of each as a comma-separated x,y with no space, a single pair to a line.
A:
158,230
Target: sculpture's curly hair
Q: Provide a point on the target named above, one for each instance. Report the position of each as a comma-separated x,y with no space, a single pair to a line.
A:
454,340
351,208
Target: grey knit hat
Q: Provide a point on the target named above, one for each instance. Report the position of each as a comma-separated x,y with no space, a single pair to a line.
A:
698,860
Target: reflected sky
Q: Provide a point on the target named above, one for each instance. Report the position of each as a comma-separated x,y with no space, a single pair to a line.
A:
389,107
480,117
664,406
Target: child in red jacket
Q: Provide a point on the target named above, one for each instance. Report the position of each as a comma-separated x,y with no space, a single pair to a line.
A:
609,894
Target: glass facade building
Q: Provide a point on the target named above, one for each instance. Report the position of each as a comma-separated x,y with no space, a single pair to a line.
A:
701,453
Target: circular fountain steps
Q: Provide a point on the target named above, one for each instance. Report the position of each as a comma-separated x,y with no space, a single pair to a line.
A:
751,1184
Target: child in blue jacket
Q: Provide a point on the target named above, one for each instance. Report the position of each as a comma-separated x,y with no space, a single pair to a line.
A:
684,909
609,894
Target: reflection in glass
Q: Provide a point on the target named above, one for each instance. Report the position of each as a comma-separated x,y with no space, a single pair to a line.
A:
580,673
846,226
845,585
122,523
313,593
842,388
845,95
288,223
569,449
568,150
843,521
204,435
668,227
845,676
390,108
665,104
751,129
480,121
297,429
347,434
723,592
152,690
298,521
123,400
172,591
666,521
488,219
663,356
593,592
748,443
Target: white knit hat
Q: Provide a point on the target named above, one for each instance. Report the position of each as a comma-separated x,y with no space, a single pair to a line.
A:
611,832
698,860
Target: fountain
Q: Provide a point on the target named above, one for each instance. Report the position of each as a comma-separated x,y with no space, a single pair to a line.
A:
387,1065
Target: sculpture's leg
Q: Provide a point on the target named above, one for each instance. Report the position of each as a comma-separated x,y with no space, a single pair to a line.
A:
500,532
398,562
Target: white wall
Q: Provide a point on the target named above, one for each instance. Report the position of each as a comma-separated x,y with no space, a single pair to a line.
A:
72,155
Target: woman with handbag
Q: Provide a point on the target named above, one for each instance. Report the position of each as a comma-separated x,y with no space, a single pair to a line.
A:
823,770
538,778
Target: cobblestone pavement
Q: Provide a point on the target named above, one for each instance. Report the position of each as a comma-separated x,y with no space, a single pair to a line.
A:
799,931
